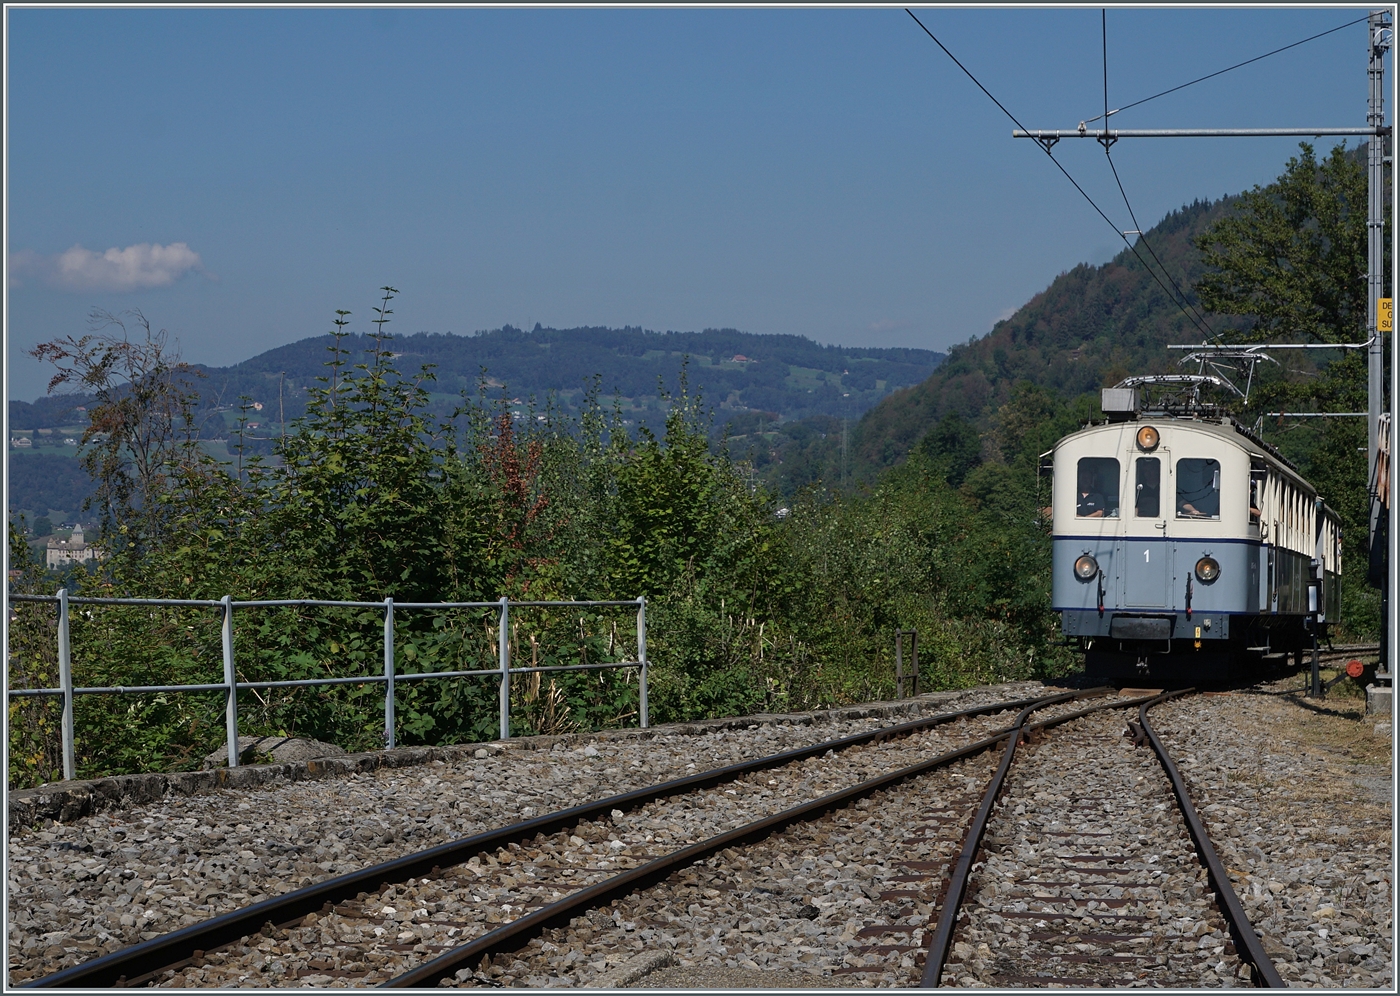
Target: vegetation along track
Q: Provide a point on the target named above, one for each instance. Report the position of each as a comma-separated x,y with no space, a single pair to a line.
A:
377,901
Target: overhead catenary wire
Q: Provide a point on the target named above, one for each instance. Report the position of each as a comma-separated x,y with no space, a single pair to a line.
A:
1060,166
1221,72
1141,234
1142,237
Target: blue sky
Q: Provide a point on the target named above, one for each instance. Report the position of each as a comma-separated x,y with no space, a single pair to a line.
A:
820,172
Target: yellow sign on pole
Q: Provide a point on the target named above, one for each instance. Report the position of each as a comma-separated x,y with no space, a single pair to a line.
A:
1385,315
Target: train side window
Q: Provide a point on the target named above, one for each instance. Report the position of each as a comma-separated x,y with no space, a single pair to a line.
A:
1097,496
1254,489
1148,490
1197,488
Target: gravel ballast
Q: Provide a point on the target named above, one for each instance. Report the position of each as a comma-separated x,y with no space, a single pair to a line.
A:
104,881
1297,799
844,900
1300,816
1090,877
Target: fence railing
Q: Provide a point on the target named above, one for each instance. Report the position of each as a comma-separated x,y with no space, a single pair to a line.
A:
230,685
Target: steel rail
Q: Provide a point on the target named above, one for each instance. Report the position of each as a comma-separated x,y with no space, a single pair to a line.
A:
942,938
129,965
517,933
1246,939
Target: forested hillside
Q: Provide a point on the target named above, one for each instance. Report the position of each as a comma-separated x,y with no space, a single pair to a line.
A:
1092,326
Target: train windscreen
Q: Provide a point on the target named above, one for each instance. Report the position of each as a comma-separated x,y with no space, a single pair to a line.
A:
1097,497
1148,488
1197,488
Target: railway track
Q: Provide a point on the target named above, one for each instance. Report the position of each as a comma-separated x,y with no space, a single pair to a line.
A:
488,873
896,850
1098,872
887,866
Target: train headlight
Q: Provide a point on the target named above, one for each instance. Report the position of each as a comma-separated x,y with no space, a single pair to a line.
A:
1148,438
1207,569
1086,568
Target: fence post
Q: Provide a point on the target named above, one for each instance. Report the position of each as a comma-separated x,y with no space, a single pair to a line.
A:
504,645
914,654
898,663
231,680
642,657
65,682
389,673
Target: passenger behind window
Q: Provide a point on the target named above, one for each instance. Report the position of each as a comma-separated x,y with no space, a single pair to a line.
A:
1098,488
1197,489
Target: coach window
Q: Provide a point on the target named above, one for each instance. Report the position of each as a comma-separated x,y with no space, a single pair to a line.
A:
1097,496
1147,500
1197,489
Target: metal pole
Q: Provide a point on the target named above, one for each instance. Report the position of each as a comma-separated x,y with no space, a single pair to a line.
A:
1376,44
231,680
389,674
1112,135
914,653
1315,692
65,682
642,658
898,663
503,644
1391,622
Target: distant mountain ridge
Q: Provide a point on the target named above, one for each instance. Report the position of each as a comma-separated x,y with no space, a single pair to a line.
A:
787,375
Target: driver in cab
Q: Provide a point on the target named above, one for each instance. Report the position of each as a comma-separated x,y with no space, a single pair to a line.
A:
1091,503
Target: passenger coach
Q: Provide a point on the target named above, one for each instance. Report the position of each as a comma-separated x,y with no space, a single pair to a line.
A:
1185,545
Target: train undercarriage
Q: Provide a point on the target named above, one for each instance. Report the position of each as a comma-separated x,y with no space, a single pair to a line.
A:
1255,648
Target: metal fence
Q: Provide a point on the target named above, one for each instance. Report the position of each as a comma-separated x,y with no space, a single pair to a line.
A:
230,685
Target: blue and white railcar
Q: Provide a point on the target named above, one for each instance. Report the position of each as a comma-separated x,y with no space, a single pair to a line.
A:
1184,544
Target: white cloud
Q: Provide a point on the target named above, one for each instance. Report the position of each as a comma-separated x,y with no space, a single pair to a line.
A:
138,267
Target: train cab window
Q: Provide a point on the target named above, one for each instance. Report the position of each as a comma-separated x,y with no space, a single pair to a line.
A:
1197,489
1147,491
1254,489
1097,495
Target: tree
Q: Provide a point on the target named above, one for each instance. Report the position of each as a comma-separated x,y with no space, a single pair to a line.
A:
954,446
141,438
1292,255
1292,258
358,489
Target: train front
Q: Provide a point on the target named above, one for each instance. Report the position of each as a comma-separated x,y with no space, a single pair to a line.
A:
1157,551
